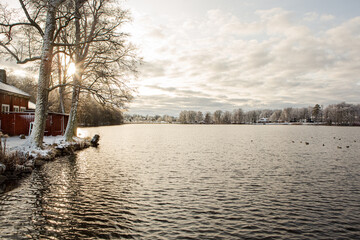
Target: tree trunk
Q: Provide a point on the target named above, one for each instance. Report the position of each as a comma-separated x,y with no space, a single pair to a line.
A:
37,133
71,126
61,81
61,96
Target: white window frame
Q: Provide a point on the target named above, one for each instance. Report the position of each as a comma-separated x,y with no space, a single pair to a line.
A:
22,109
5,108
16,108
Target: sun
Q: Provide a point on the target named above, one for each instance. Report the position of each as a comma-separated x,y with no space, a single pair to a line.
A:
72,69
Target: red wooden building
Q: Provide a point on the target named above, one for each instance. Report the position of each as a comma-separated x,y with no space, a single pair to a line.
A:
16,117
12,99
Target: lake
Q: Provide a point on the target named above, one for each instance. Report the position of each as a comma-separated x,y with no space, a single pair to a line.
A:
195,182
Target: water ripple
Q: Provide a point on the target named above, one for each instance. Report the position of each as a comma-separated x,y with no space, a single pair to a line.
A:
194,182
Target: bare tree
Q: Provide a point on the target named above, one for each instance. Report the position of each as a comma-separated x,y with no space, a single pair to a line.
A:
208,118
226,117
35,12
99,50
182,117
217,116
191,117
199,117
252,116
275,116
286,114
238,116
101,55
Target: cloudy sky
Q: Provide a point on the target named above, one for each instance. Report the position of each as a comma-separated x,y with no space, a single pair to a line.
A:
224,54
255,54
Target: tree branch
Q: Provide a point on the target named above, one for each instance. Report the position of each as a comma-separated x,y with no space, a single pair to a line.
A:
32,59
9,51
18,60
67,22
33,23
60,85
81,43
15,24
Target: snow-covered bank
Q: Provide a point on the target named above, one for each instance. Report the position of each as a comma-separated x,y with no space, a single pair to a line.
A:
15,141
15,144
21,157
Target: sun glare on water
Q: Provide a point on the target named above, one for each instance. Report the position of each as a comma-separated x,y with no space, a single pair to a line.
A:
82,133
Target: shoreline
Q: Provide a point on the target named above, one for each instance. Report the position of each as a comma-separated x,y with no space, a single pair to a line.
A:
25,159
242,124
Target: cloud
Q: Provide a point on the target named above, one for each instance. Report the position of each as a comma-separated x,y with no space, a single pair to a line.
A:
156,33
327,17
223,62
313,16
152,69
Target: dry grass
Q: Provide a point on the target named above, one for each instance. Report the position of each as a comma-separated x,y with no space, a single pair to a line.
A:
11,159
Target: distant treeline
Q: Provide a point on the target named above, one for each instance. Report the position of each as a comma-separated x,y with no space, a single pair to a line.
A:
335,114
137,118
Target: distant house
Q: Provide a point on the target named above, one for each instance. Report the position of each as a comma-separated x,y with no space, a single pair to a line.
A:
263,120
17,112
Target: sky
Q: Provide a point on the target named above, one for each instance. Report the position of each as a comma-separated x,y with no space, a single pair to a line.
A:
225,54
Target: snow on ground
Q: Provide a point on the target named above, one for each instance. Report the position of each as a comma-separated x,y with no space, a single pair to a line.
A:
15,141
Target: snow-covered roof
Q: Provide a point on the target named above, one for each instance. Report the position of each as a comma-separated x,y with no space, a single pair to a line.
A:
8,88
31,105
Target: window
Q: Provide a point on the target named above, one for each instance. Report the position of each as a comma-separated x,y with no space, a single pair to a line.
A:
16,108
5,108
22,109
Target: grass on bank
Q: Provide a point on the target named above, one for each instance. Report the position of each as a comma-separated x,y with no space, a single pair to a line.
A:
9,159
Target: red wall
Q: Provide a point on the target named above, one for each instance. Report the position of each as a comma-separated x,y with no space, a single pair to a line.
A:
19,123
19,101
13,100
5,99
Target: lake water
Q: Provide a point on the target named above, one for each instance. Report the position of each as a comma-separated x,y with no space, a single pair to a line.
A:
195,182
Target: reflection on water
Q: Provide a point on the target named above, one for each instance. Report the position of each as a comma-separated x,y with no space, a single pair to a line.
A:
61,200
197,182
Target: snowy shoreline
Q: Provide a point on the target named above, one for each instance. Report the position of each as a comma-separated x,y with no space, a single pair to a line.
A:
26,158
14,143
